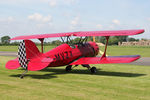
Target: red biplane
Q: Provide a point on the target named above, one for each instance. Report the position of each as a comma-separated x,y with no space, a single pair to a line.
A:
69,54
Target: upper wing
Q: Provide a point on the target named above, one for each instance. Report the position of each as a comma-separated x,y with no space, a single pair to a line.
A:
110,33
106,60
40,36
82,33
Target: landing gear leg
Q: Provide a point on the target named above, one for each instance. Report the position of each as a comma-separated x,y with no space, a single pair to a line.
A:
69,68
93,69
22,75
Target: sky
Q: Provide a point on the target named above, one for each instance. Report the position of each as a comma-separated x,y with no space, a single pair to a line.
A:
27,17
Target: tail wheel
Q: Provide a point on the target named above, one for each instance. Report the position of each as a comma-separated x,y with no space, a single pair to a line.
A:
69,68
93,70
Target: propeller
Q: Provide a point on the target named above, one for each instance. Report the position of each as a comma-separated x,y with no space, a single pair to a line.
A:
101,53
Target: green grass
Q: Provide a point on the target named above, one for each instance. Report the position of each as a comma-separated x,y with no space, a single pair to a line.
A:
144,51
112,82
15,48
9,48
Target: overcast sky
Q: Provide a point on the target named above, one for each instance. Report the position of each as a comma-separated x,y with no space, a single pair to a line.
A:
25,17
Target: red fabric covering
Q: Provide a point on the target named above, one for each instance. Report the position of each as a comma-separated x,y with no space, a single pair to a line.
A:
82,33
12,64
39,63
106,60
31,49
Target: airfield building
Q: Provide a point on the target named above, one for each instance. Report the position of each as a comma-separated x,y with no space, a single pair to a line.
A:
136,43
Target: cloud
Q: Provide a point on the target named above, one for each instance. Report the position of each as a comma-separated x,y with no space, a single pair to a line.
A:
35,16
70,2
53,3
116,21
7,19
111,27
40,18
99,26
47,18
148,19
75,22
10,19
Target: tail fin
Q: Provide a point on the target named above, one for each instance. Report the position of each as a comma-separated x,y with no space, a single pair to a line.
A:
26,51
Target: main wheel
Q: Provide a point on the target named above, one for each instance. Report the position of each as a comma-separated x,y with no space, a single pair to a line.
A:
93,70
21,77
68,68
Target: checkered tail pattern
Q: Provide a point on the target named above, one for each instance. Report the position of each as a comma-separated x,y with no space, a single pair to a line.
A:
22,55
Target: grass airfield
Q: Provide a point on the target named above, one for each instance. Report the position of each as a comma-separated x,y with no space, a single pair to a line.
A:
111,82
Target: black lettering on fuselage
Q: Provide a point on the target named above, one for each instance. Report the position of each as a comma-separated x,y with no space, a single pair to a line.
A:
63,55
57,57
67,56
70,54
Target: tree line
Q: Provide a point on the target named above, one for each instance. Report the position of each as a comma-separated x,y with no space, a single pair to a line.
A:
5,40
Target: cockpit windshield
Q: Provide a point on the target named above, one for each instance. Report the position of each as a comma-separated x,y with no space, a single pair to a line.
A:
74,41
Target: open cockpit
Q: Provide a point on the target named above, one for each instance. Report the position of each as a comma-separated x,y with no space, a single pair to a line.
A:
79,41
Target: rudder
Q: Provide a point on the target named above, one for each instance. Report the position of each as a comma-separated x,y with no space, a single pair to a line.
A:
26,51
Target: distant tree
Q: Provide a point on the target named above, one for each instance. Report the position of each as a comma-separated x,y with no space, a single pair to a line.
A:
102,39
15,43
56,42
137,39
76,40
5,40
90,38
144,39
132,39
97,39
113,41
121,38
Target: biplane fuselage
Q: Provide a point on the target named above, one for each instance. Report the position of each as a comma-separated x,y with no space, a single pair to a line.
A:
65,54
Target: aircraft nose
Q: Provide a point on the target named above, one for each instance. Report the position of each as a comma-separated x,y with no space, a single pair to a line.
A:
96,47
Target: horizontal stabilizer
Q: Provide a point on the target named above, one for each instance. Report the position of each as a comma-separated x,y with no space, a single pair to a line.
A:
106,60
39,63
12,64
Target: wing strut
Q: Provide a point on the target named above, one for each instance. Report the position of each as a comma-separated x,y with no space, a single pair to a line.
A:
42,39
104,54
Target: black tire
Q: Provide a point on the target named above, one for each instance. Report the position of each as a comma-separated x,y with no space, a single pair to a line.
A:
93,70
21,77
69,68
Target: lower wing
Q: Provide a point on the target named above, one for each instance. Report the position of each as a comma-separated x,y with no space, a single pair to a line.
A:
106,60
